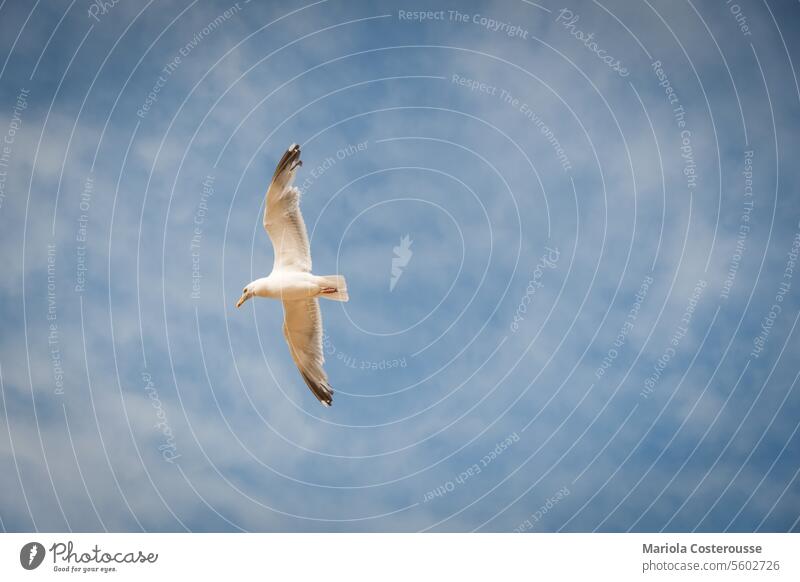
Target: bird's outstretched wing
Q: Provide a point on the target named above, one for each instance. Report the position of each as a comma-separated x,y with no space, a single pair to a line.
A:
282,218
302,326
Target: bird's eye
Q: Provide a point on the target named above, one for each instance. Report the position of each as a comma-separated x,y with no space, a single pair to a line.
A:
244,290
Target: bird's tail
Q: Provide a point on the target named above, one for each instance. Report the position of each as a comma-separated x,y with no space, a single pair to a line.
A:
335,282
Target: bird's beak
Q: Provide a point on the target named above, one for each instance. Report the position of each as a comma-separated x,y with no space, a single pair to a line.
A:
242,299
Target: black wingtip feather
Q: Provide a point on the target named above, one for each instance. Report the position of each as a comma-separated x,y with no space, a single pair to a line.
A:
290,160
322,390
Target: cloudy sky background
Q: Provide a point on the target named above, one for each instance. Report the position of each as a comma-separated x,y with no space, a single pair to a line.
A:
468,396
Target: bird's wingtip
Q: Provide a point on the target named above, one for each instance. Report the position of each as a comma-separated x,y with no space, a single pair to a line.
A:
289,161
321,389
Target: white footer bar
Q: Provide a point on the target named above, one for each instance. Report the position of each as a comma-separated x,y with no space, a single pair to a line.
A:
406,557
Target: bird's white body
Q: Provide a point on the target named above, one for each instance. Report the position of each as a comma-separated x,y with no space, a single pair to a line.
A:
287,285
291,285
291,280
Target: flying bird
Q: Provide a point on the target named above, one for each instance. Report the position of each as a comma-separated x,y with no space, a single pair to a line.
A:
291,280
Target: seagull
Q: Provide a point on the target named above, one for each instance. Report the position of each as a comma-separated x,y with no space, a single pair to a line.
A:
291,280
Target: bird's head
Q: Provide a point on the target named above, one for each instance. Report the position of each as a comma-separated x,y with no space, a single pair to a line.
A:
247,293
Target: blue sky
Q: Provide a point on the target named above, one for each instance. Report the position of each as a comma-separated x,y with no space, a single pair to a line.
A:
594,327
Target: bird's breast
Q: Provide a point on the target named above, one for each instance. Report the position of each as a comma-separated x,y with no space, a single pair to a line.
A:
289,286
